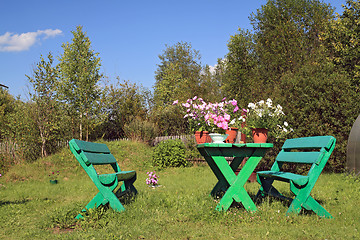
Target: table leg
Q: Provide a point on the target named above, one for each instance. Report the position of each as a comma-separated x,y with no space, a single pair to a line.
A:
236,191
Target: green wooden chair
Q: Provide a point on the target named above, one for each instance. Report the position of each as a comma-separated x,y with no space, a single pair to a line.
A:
308,150
89,154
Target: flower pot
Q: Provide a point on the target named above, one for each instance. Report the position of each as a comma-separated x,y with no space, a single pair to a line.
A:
259,135
53,181
218,138
232,132
202,137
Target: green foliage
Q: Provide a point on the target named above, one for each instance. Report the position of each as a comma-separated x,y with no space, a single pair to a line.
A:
342,39
286,34
321,102
125,102
238,68
170,120
7,106
48,115
141,130
170,153
80,73
177,74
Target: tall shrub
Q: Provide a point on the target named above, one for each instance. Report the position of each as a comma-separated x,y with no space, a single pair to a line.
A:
170,153
320,101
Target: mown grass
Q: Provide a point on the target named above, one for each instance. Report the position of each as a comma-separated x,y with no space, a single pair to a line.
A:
32,208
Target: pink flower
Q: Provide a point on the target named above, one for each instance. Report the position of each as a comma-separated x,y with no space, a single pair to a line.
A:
175,102
236,109
227,117
234,102
194,98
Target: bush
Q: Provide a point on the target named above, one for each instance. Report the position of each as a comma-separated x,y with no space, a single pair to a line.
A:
170,153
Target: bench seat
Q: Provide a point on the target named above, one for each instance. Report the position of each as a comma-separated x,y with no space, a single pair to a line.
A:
120,176
299,180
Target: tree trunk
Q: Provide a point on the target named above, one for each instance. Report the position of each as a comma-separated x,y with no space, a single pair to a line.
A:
80,127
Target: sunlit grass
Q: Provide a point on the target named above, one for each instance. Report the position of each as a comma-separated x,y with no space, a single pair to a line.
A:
181,208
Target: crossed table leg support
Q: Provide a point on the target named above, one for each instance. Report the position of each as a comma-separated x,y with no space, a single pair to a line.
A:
228,181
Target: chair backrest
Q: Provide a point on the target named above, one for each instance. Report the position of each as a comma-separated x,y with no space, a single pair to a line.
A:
306,150
92,153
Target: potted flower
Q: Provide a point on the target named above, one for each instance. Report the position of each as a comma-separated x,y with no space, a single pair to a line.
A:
262,117
152,180
205,118
53,177
195,110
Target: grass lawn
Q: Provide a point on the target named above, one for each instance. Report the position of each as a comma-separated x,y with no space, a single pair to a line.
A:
32,208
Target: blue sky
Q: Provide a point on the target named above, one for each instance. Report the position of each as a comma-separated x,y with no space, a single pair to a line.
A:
128,35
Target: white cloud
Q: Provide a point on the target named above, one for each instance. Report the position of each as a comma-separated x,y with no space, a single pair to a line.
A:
11,42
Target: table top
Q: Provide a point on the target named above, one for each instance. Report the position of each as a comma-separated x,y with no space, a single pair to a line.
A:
235,145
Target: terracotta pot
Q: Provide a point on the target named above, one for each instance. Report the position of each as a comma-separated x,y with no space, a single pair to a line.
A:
202,137
259,135
232,132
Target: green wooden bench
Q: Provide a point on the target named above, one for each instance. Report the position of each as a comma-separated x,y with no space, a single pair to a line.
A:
308,150
90,154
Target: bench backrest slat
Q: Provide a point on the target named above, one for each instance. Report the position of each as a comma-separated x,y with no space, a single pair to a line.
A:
309,143
98,158
299,157
90,147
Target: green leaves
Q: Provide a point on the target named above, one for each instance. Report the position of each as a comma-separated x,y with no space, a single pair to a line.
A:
80,73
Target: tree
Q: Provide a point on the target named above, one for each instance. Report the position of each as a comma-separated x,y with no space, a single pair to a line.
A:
238,68
287,35
80,73
124,102
47,112
7,105
342,39
178,74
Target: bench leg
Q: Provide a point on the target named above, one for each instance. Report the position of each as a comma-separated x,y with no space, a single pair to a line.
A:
268,189
129,184
312,204
303,199
96,202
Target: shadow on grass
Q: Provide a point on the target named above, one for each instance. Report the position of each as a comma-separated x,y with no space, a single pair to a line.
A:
285,202
16,202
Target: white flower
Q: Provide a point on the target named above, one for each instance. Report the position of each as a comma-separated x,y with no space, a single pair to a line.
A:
286,124
261,102
251,105
269,102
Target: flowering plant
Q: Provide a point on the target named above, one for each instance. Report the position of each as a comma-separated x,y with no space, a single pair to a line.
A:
153,179
53,174
265,115
212,117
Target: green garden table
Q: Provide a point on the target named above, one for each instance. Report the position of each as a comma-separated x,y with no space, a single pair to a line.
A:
228,182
